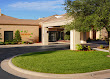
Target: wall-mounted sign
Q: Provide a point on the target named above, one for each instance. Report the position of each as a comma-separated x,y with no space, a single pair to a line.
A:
25,34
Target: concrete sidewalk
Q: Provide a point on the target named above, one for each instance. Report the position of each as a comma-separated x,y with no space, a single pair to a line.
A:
20,45
35,44
104,74
5,66
27,49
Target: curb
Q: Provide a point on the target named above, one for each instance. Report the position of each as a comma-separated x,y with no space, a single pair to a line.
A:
101,50
54,75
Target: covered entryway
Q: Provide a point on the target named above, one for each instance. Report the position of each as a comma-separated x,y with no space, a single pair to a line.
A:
55,33
8,36
60,21
53,30
74,35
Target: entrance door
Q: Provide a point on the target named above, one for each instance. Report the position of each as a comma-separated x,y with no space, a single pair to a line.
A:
8,35
62,35
52,37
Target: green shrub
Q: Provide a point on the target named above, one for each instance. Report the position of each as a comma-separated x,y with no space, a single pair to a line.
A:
89,48
17,36
84,47
23,42
67,37
1,43
101,46
79,47
9,42
14,40
59,38
6,43
12,43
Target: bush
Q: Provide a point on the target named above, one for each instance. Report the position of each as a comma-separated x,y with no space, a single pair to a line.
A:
1,43
12,43
6,43
23,42
101,46
85,47
17,36
89,48
30,42
67,37
79,47
14,40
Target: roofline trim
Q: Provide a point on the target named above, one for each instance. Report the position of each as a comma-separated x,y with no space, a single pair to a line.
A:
21,24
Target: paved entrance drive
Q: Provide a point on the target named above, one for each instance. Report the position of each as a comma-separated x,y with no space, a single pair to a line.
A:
7,52
12,51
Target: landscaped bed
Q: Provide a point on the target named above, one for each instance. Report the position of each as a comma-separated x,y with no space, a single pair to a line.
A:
63,61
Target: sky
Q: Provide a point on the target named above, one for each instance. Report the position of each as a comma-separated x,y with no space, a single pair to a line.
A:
32,9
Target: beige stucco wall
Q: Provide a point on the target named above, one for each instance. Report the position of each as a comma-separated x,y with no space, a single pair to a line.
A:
28,33
87,35
98,35
57,23
104,34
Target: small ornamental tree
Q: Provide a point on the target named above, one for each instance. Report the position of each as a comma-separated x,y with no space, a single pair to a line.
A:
17,36
89,14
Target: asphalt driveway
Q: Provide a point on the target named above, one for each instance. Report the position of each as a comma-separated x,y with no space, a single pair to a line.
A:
7,52
11,51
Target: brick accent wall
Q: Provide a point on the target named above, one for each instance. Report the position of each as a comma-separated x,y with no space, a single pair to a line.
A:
28,33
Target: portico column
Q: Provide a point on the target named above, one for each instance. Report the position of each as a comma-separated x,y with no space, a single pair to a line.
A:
44,35
91,34
74,39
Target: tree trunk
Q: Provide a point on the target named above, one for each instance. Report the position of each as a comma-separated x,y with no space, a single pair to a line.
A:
109,40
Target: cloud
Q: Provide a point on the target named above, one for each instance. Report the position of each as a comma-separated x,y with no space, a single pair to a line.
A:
38,5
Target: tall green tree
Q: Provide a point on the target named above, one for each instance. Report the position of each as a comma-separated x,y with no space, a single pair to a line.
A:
89,14
17,36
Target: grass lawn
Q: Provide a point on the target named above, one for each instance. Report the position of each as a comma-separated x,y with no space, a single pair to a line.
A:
63,61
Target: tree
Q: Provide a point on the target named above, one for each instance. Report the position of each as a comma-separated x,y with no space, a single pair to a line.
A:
17,36
89,14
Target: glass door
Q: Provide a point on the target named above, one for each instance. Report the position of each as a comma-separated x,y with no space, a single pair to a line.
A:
52,36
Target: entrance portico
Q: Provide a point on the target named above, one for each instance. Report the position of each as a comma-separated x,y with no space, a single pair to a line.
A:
45,30
75,37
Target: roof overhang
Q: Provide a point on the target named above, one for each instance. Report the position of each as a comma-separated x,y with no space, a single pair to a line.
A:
21,24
